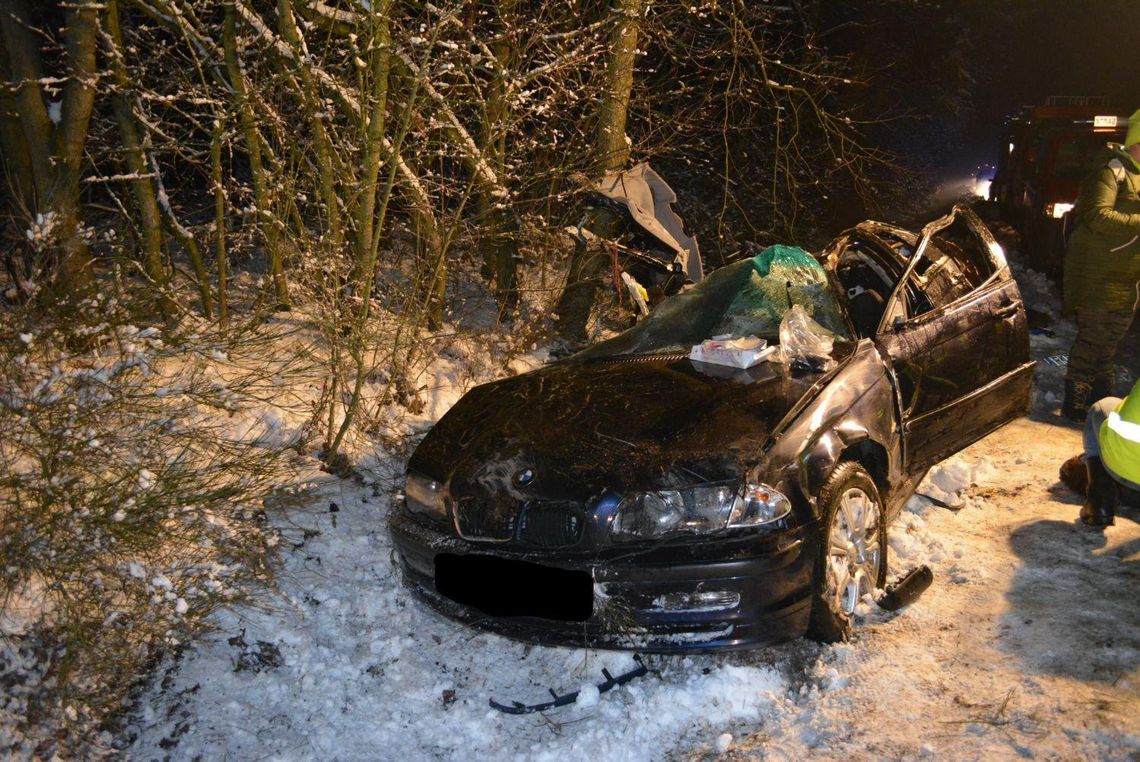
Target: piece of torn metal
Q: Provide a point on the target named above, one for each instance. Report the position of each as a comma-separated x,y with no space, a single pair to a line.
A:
649,201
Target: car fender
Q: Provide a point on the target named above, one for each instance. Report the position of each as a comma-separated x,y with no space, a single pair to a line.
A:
854,415
837,444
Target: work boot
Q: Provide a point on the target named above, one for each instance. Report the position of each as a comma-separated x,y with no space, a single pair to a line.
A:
1100,503
1076,404
1075,475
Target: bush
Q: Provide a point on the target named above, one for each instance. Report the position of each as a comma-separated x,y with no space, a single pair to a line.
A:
131,505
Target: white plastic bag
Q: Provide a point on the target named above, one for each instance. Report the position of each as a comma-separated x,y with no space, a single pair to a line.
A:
804,343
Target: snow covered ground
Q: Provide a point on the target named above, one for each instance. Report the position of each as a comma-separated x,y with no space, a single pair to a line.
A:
1026,645
1028,642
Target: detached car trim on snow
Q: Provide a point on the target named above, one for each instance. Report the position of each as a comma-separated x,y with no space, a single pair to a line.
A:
629,497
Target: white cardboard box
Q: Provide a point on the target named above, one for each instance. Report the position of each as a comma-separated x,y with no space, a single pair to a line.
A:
733,351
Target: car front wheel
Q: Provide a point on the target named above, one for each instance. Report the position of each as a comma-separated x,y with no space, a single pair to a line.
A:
853,550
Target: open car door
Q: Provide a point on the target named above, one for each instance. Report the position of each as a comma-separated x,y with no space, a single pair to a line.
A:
955,331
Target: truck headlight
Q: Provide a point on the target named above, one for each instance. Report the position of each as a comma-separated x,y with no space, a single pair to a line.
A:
425,497
697,510
1057,211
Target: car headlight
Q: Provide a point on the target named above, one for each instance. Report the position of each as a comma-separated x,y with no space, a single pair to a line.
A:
425,496
697,510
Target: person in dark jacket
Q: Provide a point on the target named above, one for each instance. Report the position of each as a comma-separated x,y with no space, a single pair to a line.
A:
1102,272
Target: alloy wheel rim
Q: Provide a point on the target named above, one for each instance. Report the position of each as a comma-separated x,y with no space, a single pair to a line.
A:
853,550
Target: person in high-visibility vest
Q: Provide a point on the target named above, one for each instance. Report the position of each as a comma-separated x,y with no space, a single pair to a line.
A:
1112,457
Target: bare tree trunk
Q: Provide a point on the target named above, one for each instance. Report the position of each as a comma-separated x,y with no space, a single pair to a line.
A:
16,164
378,20
421,208
611,147
433,280
71,138
14,156
311,101
26,70
367,237
220,220
266,221
56,150
150,217
499,242
370,225
611,152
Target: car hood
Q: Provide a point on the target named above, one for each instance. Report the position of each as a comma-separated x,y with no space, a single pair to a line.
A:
576,428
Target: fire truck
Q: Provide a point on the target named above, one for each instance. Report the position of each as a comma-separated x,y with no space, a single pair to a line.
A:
1047,151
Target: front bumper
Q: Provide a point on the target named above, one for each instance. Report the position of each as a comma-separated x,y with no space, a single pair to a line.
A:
635,591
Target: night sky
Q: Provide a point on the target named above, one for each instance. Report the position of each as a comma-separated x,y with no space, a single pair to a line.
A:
1056,47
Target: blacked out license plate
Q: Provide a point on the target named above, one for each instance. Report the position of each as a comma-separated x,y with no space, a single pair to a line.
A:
507,587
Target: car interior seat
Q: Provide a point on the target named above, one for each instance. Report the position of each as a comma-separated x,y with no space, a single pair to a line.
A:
865,297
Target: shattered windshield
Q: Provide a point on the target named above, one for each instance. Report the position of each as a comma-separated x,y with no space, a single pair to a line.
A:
747,298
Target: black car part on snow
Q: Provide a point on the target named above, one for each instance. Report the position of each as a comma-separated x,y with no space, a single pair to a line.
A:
907,590
517,707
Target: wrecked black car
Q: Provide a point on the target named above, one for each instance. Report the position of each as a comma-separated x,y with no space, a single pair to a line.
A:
631,497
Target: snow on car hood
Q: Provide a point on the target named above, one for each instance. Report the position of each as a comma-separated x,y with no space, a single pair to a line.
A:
580,427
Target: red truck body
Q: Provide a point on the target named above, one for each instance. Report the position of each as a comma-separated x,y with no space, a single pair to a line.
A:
1047,150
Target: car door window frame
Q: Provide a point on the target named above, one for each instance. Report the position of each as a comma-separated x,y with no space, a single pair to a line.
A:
896,313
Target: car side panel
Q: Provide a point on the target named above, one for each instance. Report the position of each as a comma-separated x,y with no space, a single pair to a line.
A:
941,433
858,407
962,371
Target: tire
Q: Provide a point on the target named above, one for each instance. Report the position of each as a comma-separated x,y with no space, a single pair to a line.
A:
851,511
